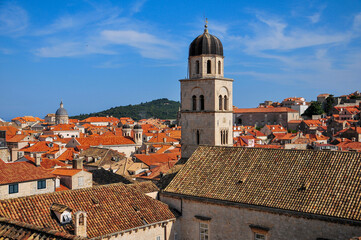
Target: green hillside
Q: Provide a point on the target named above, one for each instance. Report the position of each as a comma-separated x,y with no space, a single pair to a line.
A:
160,108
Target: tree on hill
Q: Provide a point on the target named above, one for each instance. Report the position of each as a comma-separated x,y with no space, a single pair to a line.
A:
160,108
314,109
330,103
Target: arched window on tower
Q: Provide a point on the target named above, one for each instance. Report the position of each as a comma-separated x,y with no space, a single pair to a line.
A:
209,69
226,137
194,100
220,102
221,137
219,67
81,219
225,102
197,67
198,137
201,98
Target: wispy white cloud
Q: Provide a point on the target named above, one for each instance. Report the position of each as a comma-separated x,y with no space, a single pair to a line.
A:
275,34
71,49
137,6
6,51
304,56
148,45
13,19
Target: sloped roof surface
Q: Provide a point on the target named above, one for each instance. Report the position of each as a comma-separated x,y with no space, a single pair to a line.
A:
21,172
316,182
110,208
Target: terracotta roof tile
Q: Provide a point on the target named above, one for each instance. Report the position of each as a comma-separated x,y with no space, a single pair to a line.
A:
117,208
315,182
21,172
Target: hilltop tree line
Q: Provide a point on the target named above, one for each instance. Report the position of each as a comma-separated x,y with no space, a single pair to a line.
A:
160,108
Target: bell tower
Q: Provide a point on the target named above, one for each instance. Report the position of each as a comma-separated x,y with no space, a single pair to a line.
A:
206,97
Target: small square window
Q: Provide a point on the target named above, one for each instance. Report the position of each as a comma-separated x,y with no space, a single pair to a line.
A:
158,238
258,236
13,188
41,184
81,181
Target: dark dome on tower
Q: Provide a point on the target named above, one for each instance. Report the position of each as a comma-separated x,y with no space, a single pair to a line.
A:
61,111
206,44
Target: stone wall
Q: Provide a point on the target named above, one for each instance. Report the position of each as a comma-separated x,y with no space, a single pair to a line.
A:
27,189
163,231
233,222
5,154
260,118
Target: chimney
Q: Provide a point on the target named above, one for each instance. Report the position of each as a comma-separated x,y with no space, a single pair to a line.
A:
164,140
78,163
80,224
37,159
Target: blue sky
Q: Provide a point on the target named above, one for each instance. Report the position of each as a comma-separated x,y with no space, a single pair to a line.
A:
99,54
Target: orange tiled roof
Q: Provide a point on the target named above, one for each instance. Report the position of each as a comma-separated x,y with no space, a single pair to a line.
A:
21,172
107,140
110,208
68,155
41,147
101,119
17,138
10,229
349,145
27,119
63,127
162,137
299,181
264,110
312,123
276,128
61,188
46,162
153,159
65,171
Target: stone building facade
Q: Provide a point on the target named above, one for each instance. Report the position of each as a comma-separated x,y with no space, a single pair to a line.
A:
206,97
229,221
264,116
255,193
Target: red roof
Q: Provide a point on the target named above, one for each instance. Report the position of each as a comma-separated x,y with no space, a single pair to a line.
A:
101,119
153,159
107,140
63,127
21,172
41,147
47,163
66,171
17,138
264,110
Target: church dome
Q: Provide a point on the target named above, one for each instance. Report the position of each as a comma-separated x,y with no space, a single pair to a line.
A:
61,111
137,126
206,44
126,126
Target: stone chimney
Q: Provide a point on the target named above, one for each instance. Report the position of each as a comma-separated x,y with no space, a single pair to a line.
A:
80,224
37,159
78,163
